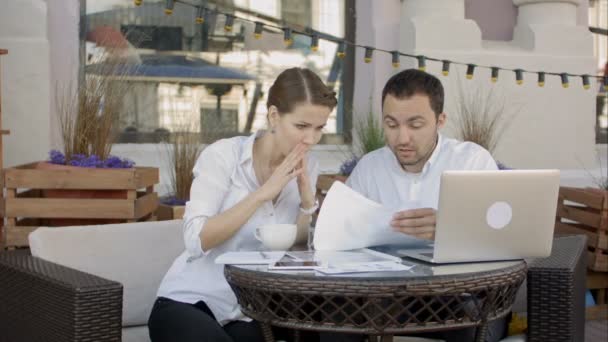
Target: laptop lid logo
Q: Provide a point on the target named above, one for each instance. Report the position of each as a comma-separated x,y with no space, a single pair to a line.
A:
499,215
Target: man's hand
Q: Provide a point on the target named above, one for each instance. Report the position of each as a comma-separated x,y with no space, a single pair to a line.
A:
419,223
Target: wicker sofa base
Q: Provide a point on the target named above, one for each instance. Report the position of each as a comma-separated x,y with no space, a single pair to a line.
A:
43,301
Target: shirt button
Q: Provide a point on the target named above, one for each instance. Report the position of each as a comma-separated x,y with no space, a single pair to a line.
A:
271,214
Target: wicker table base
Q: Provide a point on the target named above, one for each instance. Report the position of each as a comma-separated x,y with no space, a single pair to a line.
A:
376,305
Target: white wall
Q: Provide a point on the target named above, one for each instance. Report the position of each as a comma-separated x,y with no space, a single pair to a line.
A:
63,21
496,18
555,128
378,26
26,72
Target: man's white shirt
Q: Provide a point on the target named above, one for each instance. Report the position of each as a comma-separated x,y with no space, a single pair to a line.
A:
379,176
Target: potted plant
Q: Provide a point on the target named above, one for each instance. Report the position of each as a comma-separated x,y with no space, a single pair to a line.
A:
184,149
83,184
482,116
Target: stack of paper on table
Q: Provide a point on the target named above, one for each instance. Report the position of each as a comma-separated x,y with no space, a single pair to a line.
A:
333,262
348,220
249,258
379,266
354,261
357,256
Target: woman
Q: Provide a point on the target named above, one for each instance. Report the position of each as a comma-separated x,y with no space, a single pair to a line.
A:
240,184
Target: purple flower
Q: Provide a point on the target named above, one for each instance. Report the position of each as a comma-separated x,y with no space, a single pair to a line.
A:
502,166
117,163
348,165
56,157
172,200
92,161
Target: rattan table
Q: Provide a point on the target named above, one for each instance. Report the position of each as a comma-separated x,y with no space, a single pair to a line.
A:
423,299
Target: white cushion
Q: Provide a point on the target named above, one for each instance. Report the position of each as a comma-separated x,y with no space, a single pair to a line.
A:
136,334
135,254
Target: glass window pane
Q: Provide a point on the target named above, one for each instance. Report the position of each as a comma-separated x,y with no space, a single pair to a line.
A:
200,77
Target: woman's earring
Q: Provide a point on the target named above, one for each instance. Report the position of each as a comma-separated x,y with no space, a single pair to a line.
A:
272,131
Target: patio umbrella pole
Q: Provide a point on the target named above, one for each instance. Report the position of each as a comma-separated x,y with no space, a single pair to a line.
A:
218,107
257,93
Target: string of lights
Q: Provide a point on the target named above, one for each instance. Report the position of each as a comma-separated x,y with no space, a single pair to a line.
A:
202,13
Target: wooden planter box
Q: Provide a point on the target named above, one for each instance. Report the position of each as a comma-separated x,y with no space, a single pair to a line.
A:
585,211
28,204
170,212
597,282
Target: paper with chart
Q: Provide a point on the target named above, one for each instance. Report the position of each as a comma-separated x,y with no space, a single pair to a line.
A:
249,257
361,260
348,220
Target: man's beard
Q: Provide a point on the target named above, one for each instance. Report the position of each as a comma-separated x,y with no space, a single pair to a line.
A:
424,157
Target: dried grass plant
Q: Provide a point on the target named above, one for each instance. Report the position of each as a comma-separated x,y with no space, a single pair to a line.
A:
88,113
369,133
185,149
181,152
369,137
482,115
601,181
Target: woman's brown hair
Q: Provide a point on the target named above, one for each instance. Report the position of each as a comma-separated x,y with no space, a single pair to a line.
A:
299,85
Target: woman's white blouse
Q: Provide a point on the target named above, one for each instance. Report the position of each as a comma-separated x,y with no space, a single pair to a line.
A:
223,176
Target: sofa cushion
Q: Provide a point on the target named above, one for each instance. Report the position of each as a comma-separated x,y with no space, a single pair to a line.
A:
137,255
136,334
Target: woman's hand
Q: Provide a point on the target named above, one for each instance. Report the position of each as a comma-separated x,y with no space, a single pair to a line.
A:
286,171
306,195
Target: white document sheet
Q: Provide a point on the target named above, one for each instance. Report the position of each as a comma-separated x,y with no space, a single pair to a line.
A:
353,261
380,266
349,220
356,256
249,258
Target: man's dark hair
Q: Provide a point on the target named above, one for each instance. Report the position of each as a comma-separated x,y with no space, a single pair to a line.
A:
410,82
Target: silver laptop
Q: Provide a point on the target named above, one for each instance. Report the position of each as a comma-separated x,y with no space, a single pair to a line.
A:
493,215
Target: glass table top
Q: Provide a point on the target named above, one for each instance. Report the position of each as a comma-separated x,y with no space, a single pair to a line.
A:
418,269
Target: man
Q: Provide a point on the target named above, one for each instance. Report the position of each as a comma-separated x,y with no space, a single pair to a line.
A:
406,172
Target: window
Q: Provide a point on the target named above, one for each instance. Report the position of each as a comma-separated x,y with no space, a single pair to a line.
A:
209,81
598,18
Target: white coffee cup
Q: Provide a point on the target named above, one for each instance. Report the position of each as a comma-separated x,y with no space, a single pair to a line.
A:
276,236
